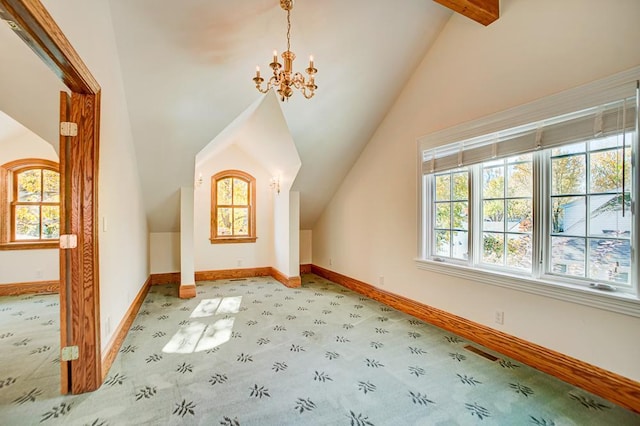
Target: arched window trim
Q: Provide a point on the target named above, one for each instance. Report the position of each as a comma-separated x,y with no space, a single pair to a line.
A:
8,171
224,239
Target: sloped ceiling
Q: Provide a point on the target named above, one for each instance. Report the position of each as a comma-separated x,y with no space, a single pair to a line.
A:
187,68
262,134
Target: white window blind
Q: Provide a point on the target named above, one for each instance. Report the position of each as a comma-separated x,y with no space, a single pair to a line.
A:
604,119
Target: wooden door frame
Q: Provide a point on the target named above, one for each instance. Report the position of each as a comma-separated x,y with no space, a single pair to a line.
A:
79,277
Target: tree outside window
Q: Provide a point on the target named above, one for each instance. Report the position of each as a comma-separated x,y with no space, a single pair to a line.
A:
36,205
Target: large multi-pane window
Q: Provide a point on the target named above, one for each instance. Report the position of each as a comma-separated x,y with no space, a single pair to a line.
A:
232,207
549,201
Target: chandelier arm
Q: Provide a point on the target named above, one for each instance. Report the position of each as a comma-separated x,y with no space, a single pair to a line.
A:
304,93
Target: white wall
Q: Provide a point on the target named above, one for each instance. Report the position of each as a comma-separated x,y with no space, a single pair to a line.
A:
535,49
187,271
123,238
26,145
293,267
306,250
29,90
232,256
164,252
19,266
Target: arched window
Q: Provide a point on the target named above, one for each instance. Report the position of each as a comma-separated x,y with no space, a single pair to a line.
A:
233,207
30,204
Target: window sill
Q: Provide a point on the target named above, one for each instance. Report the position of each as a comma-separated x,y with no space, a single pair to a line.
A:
623,303
36,245
233,240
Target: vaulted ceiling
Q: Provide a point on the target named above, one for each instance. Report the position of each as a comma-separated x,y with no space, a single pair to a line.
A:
187,68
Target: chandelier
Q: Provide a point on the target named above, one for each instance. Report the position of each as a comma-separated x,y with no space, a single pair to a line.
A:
285,79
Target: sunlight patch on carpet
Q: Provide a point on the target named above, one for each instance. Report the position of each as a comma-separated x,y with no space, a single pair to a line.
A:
197,336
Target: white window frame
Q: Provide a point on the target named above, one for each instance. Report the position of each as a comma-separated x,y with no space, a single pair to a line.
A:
590,95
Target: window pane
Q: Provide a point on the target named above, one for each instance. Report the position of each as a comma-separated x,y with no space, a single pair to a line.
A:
520,158
613,141
493,248
241,221
443,243
443,215
568,149
51,190
568,175
443,187
519,216
605,170
29,186
519,251
605,217
224,221
609,260
27,223
493,182
568,215
50,222
460,215
520,180
460,245
461,186
493,215
240,192
224,192
568,256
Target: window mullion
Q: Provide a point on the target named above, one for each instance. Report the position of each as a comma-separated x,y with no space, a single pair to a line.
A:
475,202
541,175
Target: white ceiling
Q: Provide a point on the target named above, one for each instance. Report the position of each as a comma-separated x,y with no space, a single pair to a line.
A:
187,68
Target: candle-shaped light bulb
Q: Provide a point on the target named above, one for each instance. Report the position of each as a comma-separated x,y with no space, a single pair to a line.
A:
311,61
258,71
275,56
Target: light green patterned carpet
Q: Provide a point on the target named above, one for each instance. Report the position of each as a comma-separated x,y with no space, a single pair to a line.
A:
253,352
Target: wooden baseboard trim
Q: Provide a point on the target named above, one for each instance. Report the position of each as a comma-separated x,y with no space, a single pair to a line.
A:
291,282
305,269
225,274
35,287
114,345
187,291
165,278
606,384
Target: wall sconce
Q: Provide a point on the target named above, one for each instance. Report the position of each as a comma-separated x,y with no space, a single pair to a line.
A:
199,181
274,183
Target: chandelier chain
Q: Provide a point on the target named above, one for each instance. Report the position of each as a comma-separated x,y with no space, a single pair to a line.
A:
288,30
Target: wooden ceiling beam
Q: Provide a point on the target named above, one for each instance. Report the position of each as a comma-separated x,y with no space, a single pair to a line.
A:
482,11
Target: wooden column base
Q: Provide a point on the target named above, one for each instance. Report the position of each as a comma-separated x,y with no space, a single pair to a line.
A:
291,282
187,291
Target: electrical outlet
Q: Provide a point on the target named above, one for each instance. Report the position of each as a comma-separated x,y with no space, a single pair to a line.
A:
239,262
39,273
499,319
381,280
330,262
